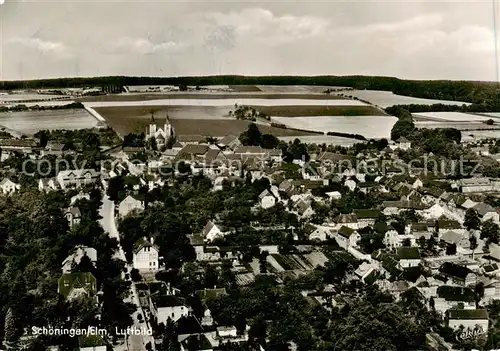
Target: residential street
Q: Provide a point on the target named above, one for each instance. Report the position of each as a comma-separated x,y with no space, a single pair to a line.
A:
134,342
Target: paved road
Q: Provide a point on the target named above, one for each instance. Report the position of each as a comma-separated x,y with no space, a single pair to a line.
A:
134,342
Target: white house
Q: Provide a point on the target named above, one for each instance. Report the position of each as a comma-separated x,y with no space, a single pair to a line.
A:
347,237
165,307
8,186
403,144
317,233
334,195
145,255
409,256
469,319
212,232
76,178
351,184
267,200
129,204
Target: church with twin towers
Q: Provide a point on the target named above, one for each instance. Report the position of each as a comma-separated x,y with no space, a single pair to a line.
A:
160,134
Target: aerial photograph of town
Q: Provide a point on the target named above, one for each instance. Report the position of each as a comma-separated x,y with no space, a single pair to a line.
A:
249,176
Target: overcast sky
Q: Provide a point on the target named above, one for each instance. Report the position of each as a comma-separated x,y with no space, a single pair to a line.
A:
417,40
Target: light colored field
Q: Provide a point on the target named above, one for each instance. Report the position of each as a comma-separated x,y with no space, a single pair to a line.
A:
230,102
42,103
480,134
450,116
386,98
15,97
368,126
491,114
30,122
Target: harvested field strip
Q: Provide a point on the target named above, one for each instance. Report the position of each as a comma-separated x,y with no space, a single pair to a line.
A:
313,111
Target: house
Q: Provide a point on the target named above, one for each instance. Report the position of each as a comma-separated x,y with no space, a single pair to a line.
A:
73,285
448,296
48,184
165,307
475,185
351,184
473,320
131,203
392,239
403,144
212,232
73,215
8,186
365,270
408,256
347,237
76,257
317,233
304,209
76,178
267,200
486,212
198,342
348,220
229,142
145,255
366,217
334,195
460,275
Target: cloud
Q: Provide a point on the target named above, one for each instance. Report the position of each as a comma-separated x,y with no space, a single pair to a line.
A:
145,46
262,25
56,49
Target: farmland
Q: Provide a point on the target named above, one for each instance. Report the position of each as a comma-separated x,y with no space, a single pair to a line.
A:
29,122
126,120
261,101
138,97
449,117
304,111
368,126
386,98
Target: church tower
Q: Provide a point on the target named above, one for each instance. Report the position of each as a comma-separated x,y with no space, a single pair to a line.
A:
152,126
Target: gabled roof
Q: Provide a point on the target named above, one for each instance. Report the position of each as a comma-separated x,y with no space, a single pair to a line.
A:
346,232
451,237
402,140
81,280
455,293
346,218
264,194
367,214
228,139
482,208
6,181
454,270
448,224
408,253
143,242
467,314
